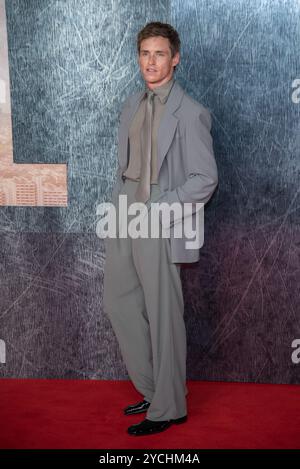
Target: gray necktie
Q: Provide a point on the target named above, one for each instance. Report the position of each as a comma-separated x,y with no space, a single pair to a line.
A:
143,190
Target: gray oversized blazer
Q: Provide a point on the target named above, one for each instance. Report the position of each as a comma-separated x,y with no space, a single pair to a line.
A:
186,166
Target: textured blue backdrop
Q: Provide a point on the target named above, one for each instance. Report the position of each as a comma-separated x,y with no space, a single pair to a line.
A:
72,64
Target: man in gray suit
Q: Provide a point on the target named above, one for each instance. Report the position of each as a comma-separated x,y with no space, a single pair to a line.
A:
165,155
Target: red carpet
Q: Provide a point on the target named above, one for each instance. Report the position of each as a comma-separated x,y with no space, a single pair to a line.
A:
89,414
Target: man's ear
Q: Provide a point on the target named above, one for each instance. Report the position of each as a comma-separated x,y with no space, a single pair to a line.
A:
177,56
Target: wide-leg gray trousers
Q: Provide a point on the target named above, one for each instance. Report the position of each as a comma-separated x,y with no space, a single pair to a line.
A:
144,302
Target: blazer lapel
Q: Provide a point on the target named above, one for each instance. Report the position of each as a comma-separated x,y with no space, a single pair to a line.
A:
166,129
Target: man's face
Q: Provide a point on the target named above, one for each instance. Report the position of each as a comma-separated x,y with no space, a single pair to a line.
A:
155,61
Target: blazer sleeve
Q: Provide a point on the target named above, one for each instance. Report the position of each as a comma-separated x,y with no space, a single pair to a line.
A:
202,173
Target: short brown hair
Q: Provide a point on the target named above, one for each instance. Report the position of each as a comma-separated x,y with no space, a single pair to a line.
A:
157,28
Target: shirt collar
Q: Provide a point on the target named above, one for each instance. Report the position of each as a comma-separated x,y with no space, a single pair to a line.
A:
162,91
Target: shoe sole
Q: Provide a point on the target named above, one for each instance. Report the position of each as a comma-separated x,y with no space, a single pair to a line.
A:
135,412
176,421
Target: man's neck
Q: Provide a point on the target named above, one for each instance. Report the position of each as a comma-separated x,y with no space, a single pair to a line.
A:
152,86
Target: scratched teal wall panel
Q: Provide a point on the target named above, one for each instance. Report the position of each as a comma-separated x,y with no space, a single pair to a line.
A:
240,59
72,64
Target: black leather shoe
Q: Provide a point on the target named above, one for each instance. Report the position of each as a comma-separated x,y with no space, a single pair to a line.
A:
137,408
147,426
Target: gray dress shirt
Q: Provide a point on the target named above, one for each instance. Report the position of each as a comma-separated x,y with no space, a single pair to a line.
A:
161,94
